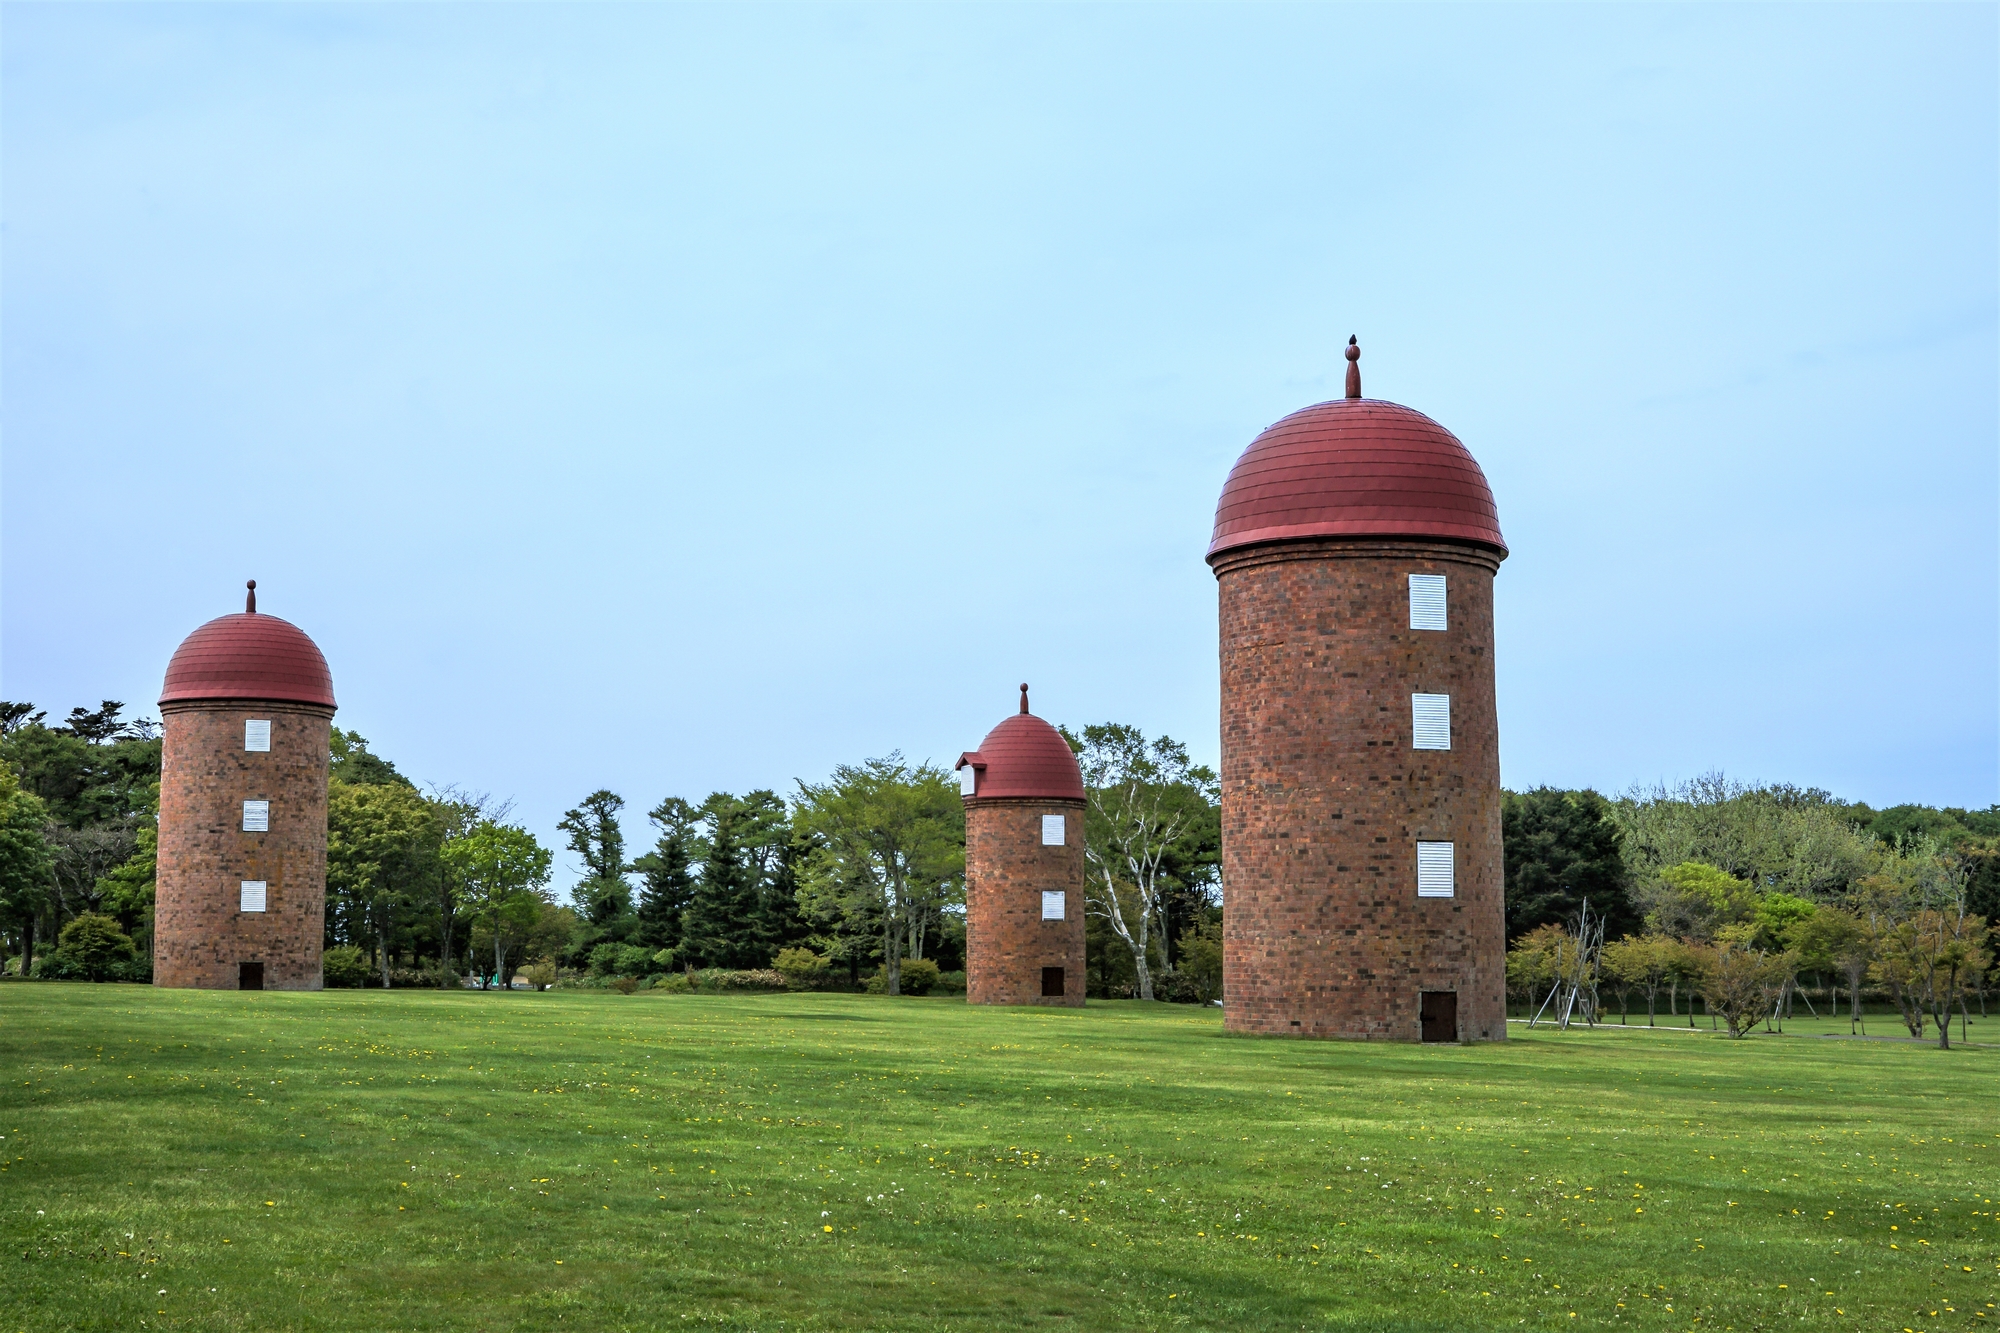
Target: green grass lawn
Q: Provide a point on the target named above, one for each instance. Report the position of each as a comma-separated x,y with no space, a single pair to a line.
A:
416,1160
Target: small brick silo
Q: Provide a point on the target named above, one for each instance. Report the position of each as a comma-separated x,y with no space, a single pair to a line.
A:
1024,806
241,900
1354,553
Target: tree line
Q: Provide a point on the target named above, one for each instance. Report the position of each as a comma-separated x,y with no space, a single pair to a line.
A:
1752,899
853,882
1747,899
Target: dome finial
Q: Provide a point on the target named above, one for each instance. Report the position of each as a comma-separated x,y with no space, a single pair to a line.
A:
250,598
1353,367
1024,696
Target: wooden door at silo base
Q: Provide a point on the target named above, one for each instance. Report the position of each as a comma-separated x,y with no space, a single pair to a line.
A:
1440,1015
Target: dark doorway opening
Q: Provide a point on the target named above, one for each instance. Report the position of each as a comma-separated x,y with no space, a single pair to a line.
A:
1440,1015
249,976
1052,983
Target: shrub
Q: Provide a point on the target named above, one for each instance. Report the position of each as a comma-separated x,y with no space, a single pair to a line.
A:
919,977
1201,962
950,983
59,966
674,983
625,985
136,970
541,974
345,967
636,961
94,943
604,959
802,969
431,976
753,979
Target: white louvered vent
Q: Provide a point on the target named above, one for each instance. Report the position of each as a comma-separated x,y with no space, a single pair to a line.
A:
1430,721
253,895
257,734
1435,875
1055,902
968,781
1052,830
1427,601
256,816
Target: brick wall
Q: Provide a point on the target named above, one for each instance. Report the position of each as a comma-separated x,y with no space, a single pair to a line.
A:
199,935
1324,800
1007,944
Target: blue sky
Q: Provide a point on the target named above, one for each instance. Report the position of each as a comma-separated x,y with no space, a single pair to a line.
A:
675,398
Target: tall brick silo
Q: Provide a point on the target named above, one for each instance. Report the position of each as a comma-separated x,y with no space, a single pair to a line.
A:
1354,553
1024,807
241,901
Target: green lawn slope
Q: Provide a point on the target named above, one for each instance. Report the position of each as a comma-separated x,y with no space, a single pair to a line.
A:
414,1160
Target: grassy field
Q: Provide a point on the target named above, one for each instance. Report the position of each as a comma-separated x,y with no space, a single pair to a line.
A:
414,1160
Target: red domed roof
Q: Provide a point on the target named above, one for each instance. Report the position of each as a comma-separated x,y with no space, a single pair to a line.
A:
1356,467
1024,757
249,656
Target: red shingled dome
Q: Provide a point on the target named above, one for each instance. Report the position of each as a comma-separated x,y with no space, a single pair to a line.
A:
1356,467
249,656
1025,757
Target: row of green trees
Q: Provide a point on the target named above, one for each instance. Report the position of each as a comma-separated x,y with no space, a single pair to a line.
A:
1567,846
1744,895
857,873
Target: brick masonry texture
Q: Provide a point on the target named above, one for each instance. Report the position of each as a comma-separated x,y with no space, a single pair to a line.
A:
1007,944
199,935
1324,801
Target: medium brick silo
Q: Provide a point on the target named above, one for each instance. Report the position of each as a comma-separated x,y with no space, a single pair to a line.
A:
1354,553
241,899
1024,806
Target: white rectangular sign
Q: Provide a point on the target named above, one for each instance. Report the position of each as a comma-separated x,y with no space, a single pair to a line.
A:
1052,830
1430,721
1054,903
257,734
253,895
1427,601
256,816
1436,877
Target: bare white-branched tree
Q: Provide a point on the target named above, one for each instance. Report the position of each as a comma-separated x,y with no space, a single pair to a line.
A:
1146,799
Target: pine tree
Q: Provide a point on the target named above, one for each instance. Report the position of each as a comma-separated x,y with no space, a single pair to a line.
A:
716,928
779,923
668,872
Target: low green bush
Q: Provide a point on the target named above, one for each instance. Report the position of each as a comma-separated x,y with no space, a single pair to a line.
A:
751,979
919,977
949,983
722,979
137,970
59,966
604,958
624,985
93,943
344,967
636,960
802,969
